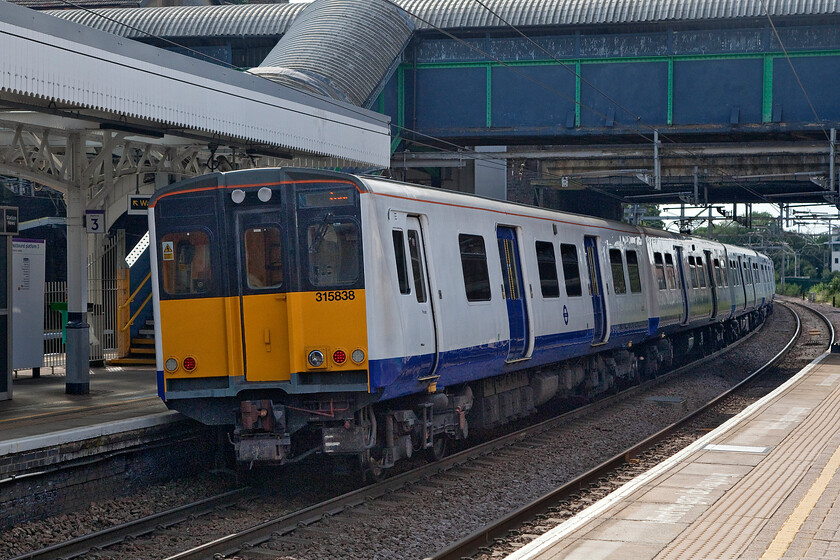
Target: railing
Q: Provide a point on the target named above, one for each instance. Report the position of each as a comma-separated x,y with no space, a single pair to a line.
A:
127,304
104,287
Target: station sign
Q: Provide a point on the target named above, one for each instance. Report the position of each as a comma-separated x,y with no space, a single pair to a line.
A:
138,204
95,221
9,220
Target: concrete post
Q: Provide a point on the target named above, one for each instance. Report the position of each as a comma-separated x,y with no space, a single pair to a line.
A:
78,330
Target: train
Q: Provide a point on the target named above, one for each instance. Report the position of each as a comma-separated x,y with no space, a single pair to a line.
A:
318,312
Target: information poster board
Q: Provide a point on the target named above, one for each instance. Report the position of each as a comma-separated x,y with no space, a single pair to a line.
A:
28,264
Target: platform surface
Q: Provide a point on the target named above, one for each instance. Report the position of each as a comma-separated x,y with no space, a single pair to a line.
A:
40,405
764,485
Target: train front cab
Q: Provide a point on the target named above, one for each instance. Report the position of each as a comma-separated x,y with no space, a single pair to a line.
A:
261,303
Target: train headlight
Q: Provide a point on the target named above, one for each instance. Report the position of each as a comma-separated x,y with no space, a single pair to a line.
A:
316,358
171,364
358,355
339,357
189,363
237,196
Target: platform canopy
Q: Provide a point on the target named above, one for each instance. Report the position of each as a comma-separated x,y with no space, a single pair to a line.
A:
53,69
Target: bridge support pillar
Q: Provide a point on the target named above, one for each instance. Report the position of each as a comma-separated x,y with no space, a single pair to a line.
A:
78,331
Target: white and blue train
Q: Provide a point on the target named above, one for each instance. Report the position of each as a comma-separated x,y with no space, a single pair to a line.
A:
320,312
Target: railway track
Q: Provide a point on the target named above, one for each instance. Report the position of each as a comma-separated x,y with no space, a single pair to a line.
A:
289,527
557,504
293,528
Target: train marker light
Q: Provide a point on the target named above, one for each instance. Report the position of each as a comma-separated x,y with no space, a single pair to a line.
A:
316,358
189,363
339,357
264,194
358,355
237,196
171,364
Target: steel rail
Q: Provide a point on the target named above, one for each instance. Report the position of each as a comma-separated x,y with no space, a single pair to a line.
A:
256,535
487,535
119,533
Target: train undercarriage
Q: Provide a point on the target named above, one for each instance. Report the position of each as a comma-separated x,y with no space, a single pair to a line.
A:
279,430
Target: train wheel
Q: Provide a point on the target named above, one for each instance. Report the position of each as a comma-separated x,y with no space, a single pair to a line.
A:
438,450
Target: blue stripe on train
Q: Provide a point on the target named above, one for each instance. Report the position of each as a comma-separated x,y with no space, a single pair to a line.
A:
396,377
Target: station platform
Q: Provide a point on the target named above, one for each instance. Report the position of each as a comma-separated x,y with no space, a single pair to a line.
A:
119,396
766,484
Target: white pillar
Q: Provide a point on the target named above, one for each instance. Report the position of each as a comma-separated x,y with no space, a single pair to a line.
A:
78,331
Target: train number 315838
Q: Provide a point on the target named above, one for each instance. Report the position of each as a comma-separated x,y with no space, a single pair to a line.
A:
343,295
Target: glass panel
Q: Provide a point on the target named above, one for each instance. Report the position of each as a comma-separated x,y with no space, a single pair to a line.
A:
547,266
263,257
474,266
399,255
701,272
617,267
185,264
417,265
510,277
333,253
633,271
571,269
670,272
660,271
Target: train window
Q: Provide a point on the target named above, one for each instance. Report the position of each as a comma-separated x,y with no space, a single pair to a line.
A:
185,265
660,271
399,255
670,272
547,266
264,257
416,265
474,265
692,266
701,272
571,269
334,250
617,267
633,271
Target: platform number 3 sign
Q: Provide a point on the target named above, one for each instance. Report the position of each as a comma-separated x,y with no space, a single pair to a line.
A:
95,221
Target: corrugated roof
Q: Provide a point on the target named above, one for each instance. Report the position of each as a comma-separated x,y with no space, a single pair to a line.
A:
469,13
239,20
254,20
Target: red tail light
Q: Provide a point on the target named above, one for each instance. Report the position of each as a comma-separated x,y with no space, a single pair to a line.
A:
189,363
339,356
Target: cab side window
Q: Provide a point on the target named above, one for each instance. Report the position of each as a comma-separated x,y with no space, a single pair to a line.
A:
185,262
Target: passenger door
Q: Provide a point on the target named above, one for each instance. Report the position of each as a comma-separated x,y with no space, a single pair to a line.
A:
262,286
599,312
417,315
514,295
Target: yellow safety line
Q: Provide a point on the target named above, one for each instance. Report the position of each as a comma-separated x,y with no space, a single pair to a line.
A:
786,534
68,410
